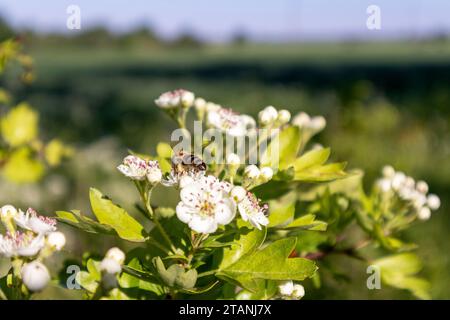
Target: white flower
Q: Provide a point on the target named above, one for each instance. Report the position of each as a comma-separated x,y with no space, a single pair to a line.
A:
238,193
433,201
299,291
35,276
205,204
252,212
110,266
398,180
181,179
289,290
227,121
424,213
154,173
133,167
116,254
388,171
249,122
301,120
8,211
251,172
267,116
422,186
34,222
212,107
266,173
21,244
286,288
175,99
284,116
56,240
312,124
200,104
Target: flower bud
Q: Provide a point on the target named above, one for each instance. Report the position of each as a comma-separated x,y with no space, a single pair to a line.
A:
298,292
56,240
35,276
8,211
286,288
238,193
433,202
116,254
318,123
187,99
284,116
251,172
266,173
301,120
422,187
200,104
110,266
398,180
424,213
267,116
388,171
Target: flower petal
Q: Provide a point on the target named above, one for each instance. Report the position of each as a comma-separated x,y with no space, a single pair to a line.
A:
225,212
184,212
203,224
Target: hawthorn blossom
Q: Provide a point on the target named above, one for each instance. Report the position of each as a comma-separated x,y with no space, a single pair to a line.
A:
175,99
205,204
35,276
134,167
252,212
24,244
312,124
412,193
56,240
113,261
154,173
289,290
230,122
32,221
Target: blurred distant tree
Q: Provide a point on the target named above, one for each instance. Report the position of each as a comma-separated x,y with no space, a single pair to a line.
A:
5,30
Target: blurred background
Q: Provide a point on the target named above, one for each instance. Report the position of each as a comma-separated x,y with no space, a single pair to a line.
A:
385,93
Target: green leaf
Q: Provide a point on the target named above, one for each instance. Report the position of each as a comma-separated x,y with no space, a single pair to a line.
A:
247,241
322,173
312,158
271,263
282,153
114,216
20,125
280,215
87,281
399,271
56,151
128,280
75,219
164,150
307,222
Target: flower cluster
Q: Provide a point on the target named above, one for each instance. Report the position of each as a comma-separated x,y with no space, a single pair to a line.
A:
415,194
290,291
139,169
28,247
229,121
175,99
270,116
310,124
254,176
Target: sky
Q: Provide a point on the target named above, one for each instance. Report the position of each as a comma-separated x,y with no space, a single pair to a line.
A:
220,20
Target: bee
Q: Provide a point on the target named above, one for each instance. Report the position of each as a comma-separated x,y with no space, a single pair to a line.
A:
184,162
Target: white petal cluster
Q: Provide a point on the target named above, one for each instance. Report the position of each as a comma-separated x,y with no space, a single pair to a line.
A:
308,123
229,122
290,291
175,99
254,176
136,168
205,204
113,261
38,240
271,116
31,220
414,193
249,207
